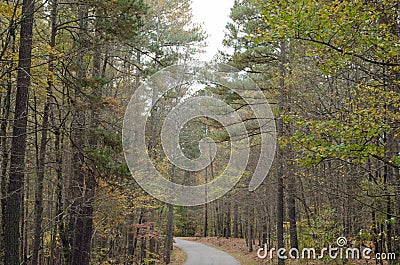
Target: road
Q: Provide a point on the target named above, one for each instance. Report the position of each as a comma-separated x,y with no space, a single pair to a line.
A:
200,254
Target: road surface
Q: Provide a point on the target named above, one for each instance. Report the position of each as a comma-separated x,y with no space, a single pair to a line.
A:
200,254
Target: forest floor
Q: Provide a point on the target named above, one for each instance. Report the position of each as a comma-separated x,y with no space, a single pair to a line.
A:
178,257
238,249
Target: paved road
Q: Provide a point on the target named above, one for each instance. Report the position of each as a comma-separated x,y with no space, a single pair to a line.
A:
200,254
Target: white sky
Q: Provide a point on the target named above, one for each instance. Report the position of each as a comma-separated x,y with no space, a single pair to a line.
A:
214,14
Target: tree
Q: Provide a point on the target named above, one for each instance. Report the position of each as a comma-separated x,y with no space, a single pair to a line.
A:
12,208
43,143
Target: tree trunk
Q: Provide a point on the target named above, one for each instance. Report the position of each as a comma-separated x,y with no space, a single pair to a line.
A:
130,240
39,187
235,220
292,212
250,212
169,239
205,229
43,144
5,158
227,227
280,162
82,210
18,145
24,221
60,215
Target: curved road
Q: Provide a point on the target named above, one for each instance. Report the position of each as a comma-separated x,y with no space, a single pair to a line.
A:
200,254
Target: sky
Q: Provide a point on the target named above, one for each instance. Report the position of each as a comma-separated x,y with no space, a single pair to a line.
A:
213,14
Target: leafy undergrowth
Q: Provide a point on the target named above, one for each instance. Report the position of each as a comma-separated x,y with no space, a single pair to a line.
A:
238,249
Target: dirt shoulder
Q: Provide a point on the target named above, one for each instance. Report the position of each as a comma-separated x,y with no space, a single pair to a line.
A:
178,256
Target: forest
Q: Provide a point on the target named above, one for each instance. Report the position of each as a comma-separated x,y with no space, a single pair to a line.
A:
329,70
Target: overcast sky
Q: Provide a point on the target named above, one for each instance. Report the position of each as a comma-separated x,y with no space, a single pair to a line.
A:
214,14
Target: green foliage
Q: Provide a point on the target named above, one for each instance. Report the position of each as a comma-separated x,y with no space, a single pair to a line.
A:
322,230
109,139
119,19
168,35
106,157
338,37
352,136
342,28
184,222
